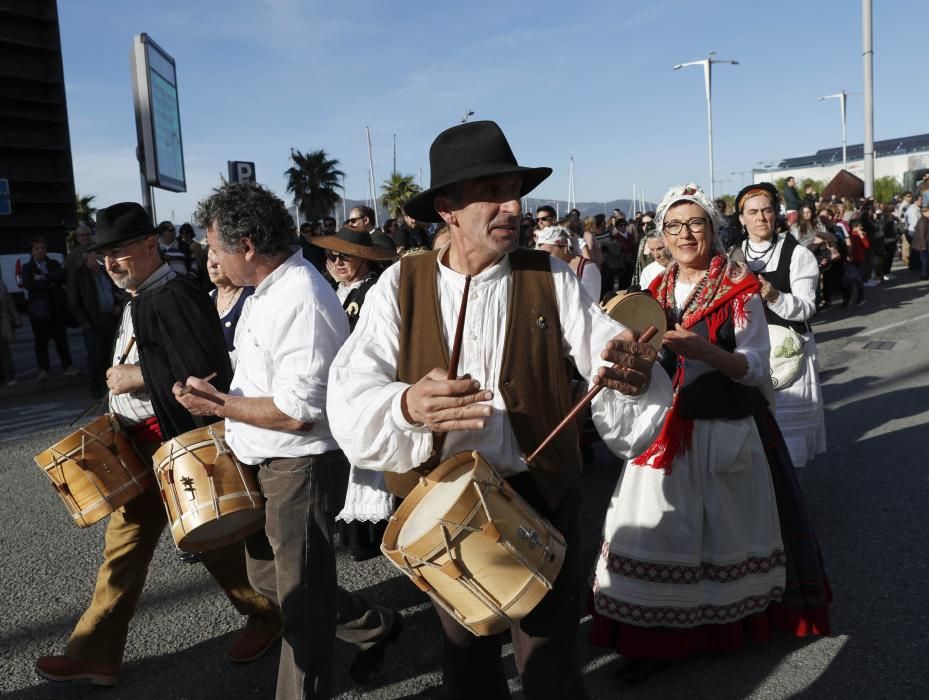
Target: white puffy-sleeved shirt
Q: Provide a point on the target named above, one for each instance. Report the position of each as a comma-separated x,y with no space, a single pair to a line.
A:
290,330
800,304
364,399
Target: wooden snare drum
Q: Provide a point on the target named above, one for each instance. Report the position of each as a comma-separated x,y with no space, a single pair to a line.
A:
466,538
637,311
211,498
95,470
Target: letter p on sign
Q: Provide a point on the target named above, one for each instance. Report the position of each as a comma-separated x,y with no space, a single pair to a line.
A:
241,171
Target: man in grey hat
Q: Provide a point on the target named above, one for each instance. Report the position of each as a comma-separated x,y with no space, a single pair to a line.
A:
391,406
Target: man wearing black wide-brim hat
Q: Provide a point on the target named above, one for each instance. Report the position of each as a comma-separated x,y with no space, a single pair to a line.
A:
169,330
392,408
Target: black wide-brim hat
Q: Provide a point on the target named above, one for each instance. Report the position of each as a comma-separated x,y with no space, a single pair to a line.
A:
468,152
121,222
356,243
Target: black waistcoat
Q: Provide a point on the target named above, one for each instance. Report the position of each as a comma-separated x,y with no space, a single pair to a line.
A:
780,280
707,393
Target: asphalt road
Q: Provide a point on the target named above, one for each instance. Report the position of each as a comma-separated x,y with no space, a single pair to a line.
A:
867,496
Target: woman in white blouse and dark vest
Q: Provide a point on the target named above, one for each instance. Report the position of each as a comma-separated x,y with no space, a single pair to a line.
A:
789,275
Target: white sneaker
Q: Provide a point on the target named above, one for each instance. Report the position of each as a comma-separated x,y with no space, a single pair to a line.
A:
42,375
871,283
887,278
72,371
11,382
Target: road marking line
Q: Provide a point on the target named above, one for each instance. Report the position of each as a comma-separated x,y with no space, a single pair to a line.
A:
881,329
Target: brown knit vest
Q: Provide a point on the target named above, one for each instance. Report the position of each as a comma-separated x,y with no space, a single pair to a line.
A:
533,381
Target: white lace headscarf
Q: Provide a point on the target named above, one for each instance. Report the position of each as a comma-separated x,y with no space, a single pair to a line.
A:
690,193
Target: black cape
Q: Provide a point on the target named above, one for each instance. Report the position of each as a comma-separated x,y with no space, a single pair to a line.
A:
178,335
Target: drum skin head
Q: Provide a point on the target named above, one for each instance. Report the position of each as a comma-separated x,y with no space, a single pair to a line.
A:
638,311
474,545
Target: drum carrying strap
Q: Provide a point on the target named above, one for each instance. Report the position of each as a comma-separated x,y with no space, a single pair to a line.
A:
533,382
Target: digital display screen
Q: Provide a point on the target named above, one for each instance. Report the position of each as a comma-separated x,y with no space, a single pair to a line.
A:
158,115
166,120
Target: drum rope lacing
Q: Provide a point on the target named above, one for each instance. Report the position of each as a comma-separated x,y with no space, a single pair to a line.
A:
62,458
221,449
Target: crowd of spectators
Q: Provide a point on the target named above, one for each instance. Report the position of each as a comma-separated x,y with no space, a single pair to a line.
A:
855,243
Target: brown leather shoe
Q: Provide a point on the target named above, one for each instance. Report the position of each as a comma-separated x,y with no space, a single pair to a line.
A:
251,645
64,668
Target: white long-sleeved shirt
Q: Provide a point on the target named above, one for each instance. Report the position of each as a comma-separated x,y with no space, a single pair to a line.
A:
800,304
364,399
135,407
289,331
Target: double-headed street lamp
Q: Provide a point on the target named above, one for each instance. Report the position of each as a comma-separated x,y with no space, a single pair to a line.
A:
843,98
707,64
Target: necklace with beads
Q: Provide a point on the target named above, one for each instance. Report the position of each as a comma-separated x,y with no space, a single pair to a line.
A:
229,304
756,255
690,303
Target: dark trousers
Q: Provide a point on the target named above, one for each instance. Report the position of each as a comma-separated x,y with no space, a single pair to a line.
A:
857,285
7,371
98,340
924,264
293,562
45,330
890,250
544,642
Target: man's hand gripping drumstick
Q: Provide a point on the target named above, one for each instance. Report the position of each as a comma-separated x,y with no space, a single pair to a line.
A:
441,400
122,378
198,396
632,359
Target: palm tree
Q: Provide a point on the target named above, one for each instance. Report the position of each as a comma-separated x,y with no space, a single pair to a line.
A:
397,191
85,210
313,180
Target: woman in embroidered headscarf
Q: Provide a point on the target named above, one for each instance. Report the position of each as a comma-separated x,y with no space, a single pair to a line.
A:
693,555
789,275
556,241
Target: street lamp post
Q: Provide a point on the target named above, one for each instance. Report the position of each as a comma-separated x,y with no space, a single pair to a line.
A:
467,115
707,64
842,98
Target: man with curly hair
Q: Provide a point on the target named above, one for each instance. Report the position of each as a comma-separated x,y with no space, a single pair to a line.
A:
290,330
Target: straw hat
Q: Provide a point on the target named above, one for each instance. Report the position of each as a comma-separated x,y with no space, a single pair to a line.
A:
356,243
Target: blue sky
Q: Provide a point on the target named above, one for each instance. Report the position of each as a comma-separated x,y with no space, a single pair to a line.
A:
592,79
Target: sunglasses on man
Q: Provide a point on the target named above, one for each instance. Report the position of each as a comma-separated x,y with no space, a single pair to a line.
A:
339,257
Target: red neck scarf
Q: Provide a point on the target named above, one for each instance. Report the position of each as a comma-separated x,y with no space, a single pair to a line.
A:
722,296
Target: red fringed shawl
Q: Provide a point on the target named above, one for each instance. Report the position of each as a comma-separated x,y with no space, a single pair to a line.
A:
729,286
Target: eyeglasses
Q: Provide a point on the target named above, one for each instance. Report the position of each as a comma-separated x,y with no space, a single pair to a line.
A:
339,257
674,228
354,219
545,218
118,253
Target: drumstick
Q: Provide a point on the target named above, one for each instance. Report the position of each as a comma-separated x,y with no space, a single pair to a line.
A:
187,389
459,332
122,358
588,397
